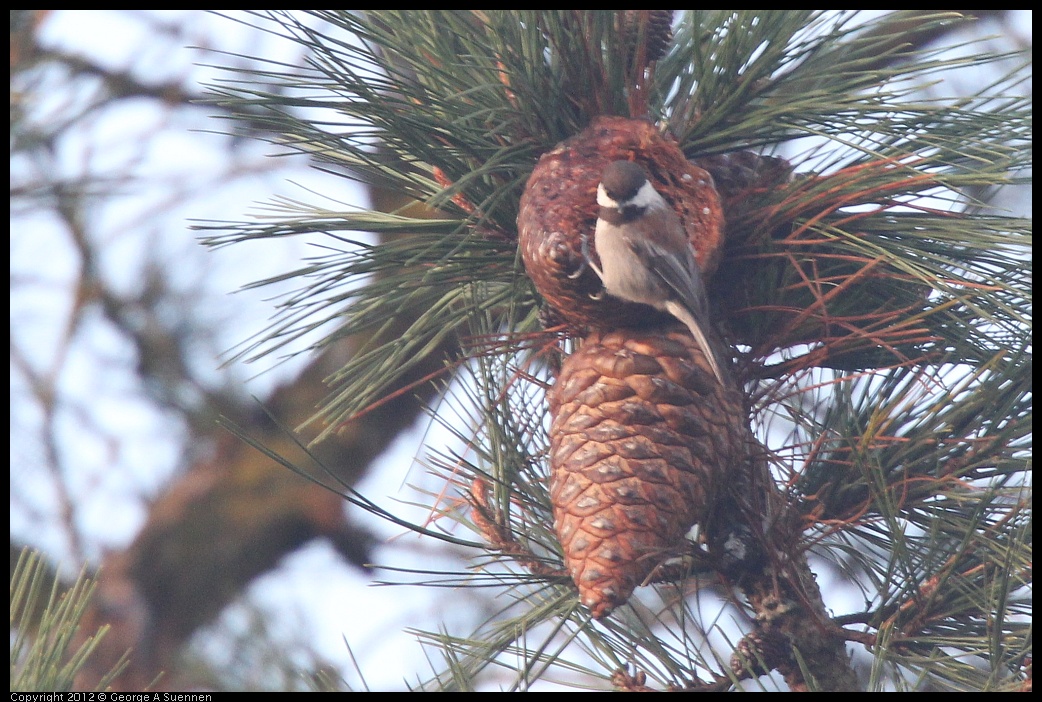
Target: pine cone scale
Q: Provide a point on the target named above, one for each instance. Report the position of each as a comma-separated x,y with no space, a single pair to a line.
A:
625,493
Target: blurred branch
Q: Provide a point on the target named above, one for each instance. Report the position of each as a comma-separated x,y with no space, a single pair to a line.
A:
231,514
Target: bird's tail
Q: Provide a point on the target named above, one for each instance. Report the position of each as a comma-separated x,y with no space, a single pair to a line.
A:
685,316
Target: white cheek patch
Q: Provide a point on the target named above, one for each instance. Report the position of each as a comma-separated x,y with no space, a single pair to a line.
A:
646,197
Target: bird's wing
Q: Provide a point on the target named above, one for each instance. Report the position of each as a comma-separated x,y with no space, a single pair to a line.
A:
680,274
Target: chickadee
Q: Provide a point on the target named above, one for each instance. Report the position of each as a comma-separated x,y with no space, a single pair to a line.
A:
645,253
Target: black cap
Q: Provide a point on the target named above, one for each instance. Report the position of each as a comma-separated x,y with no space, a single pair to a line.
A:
622,180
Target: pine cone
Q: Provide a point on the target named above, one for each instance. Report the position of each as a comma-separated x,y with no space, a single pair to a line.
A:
744,180
559,208
759,653
657,32
775,299
642,435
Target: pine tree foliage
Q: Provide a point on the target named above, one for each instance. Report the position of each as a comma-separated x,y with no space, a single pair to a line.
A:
882,309
47,650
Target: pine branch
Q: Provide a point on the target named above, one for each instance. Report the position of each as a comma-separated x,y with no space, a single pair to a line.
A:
883,314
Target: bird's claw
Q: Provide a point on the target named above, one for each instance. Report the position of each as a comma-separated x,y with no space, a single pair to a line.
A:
584,248
587,262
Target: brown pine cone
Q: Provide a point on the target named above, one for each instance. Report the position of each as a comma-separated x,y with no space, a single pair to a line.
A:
760,652
559,209
642,436
657,32
742,175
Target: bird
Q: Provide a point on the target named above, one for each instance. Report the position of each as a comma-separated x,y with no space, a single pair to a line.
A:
645,253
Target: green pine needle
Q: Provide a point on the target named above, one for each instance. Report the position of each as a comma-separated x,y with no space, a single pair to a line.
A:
883,308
